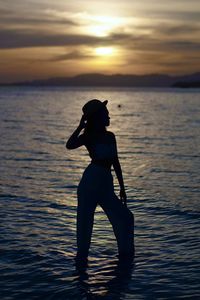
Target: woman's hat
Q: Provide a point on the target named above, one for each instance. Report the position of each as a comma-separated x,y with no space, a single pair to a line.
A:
93,106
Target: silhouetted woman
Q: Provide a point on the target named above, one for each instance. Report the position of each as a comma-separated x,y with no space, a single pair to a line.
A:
96,186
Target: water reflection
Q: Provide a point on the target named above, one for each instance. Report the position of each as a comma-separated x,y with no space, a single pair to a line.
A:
38,195
107,279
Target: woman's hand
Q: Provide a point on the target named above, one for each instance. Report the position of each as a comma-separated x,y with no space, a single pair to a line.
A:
75,140
123,196
82,123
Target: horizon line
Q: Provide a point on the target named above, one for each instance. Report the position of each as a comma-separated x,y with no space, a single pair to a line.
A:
29,81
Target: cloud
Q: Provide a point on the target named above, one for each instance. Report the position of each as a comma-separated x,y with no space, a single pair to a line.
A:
159,45
24,38
50,28
11,19
28,38
184,15
170,40
157,41
73,55
159,37
177,29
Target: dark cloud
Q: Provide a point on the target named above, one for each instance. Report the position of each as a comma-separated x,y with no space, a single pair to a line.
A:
169,30
24,38
180,29
168,45
165,37
10,38
36,21
71,56
161,39
177,15
160,45
4,12
12,19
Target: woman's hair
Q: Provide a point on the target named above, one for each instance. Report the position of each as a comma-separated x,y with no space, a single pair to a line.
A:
94,124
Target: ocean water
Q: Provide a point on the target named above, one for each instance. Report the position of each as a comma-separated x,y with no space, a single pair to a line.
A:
158,137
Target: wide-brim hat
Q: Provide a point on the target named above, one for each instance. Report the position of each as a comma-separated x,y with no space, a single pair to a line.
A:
93,106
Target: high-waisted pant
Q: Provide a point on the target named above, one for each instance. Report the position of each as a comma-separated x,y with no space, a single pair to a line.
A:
96,187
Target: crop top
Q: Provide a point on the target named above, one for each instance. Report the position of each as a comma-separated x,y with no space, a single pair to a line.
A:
102,151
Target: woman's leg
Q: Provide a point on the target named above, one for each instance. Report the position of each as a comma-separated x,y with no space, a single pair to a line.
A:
122,221
85,218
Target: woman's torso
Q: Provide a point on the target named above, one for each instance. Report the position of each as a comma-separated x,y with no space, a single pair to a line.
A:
102,148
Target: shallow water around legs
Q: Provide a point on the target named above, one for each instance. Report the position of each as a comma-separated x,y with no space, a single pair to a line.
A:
158,139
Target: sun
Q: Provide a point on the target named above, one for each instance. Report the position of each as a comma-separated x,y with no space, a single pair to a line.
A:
99,30
102,26
104,51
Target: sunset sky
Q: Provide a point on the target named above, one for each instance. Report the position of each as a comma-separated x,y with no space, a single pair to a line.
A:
48,38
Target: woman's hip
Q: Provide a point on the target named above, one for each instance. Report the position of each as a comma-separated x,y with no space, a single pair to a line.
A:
96,179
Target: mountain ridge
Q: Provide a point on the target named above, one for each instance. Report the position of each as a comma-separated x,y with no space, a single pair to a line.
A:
117,80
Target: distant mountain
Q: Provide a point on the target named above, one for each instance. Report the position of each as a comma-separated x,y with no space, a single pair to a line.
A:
189,84
119,80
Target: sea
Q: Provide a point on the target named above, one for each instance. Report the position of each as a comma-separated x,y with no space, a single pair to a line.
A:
158,140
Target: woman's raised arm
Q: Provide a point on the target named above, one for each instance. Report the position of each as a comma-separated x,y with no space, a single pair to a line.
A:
75,139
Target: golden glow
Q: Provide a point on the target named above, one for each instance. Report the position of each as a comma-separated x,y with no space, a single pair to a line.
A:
104,51
103,25
107,37
99,30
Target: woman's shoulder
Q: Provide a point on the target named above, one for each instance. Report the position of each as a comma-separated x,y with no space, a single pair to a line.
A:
110,135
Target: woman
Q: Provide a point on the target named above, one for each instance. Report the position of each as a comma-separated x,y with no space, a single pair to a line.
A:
96,186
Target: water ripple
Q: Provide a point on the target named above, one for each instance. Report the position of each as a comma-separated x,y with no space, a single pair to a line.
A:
159,154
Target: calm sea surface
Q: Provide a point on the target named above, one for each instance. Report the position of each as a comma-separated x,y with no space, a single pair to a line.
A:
158,135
